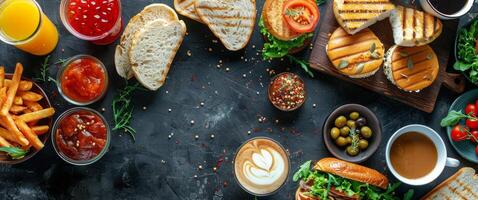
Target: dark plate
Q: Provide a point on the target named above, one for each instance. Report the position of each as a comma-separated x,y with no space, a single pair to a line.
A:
45,103
372,122
466,149
455,51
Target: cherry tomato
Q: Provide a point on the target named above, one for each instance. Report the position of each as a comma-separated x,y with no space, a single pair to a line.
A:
472,123
474,136
302,16
470,109
458,133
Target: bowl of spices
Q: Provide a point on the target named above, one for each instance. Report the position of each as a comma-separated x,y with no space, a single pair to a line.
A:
287,91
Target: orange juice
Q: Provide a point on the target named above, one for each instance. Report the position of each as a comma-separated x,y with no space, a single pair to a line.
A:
23,24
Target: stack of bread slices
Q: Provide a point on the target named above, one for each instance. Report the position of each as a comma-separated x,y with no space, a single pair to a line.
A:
149,44
232,21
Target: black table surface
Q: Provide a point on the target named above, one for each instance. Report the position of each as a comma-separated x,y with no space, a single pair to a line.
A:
234,99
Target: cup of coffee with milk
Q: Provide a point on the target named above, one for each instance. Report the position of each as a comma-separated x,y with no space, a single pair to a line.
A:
416,155
261,166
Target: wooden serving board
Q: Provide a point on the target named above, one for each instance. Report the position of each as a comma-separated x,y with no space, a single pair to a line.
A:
423,100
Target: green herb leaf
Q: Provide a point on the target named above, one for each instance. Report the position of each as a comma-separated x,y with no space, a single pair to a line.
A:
429,56
44,75
452,118
320,2
343,64
410,64
373,47
303,64
374,55
304,171
123,109
404,54
408,195
359,68
14,152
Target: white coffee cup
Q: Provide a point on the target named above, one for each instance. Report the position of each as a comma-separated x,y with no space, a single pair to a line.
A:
428,7
442,159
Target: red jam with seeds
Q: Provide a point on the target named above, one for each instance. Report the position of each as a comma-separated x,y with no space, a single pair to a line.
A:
93,18
83,80
81,135
287,91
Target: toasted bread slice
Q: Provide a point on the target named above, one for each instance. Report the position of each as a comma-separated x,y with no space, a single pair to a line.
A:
352,54
275,22
153,50
411,68
232,21
186,8
150,13
462,185
414,28
356,15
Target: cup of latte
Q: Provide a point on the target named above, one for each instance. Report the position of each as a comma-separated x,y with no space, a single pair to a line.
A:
261,166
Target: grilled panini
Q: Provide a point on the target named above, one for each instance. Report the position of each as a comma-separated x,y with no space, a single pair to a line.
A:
356,15
414,28
232,21
411,68
186,8
356,56
275,22
462,185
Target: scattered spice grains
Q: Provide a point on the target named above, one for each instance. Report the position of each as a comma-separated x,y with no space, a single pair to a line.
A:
287,91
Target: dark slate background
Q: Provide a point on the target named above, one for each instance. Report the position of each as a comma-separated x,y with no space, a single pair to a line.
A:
155,167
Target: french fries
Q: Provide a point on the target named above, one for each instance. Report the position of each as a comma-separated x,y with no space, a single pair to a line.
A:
21,112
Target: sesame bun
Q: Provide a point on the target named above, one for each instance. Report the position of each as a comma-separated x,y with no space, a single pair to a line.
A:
352,55
411,68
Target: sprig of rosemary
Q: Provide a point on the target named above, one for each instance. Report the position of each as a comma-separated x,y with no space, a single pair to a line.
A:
14,152
44,75
304,64
123,109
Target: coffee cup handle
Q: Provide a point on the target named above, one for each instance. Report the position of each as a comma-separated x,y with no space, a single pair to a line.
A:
451,162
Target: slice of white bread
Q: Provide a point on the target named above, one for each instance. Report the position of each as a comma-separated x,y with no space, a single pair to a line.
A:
232,21
463,185
148,14
186,8
414,28
356,15
153,50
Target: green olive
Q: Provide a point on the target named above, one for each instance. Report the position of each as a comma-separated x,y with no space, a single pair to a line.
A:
354,115
352,151
341,141
335,133
344,131
340,121
363,144
351,124
349,140
366,132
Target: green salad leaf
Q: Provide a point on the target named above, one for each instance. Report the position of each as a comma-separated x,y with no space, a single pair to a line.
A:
467,60
454,117
323,182
14,152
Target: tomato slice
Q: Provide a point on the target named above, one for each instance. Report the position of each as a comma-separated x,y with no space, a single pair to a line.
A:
301,15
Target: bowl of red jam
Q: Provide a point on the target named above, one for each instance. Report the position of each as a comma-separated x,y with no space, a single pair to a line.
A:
81,136
287,91
82,80
97,21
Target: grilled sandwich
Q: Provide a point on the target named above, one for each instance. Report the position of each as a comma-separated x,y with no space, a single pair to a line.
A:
356,15
232,21
356,56
414,28
186,8
411,68
462,185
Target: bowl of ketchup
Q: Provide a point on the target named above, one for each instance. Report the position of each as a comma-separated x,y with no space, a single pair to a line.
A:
81,136
82,80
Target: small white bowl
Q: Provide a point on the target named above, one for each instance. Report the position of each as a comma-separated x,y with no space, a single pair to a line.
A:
428,7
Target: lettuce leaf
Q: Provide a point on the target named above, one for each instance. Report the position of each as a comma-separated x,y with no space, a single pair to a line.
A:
467,61
322,182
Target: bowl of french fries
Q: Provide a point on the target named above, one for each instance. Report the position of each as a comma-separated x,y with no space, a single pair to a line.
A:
26,117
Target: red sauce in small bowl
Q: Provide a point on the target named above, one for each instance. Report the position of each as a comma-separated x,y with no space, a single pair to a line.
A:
287,91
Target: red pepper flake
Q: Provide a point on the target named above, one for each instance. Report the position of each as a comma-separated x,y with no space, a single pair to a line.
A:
287,91
220,161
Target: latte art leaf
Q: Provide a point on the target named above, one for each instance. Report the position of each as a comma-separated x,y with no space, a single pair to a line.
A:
264,168
263,160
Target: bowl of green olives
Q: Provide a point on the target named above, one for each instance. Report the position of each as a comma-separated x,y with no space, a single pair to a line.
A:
352,132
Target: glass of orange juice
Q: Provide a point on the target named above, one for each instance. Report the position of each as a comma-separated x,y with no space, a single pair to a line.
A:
24,25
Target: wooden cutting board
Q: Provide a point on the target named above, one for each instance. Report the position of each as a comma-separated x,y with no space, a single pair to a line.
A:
423,100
